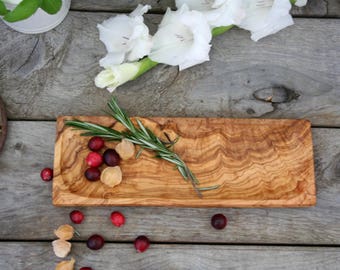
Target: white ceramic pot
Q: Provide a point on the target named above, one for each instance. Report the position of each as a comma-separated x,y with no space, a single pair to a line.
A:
40,21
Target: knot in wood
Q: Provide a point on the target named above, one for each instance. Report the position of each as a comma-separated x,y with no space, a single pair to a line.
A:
276,94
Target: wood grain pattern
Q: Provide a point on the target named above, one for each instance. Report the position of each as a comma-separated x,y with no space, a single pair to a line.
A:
26,201
39,256
257,163
324,8
52,74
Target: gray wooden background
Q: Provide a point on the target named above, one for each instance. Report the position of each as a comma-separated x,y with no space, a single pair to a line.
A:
43,76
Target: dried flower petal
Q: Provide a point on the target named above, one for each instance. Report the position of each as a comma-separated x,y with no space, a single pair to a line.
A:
61,248
66,265
64,232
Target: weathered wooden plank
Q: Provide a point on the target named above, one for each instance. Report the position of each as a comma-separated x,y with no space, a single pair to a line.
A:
292,74
3,124
26,210
38,255
121,6
314,8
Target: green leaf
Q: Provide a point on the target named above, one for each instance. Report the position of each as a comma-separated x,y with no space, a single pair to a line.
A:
3,9
51,6
23,10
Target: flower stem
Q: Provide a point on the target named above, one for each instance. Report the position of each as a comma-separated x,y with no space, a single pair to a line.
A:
146,64
220,30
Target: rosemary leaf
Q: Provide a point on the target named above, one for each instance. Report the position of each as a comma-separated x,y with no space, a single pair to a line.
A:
208,188
140,151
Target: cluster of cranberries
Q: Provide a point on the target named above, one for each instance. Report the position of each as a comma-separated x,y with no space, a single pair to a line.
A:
111,158
96,241
94,159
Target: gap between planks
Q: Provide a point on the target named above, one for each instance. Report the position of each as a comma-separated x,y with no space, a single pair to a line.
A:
156,12
54,120
160,243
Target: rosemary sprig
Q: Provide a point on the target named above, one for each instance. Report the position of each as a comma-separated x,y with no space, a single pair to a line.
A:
142,136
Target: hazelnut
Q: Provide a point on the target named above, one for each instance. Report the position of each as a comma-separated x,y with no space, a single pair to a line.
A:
111,176
61,248
125,149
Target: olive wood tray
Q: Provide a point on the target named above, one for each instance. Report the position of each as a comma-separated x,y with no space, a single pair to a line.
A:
256,162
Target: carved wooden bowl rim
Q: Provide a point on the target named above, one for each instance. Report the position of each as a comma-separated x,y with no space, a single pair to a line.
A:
3,124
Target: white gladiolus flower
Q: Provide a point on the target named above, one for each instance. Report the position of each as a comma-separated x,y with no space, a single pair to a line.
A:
125,37
217,12
265,17
300,3
182,39
116,75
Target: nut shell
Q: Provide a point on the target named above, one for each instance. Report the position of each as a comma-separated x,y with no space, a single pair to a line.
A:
125,149
61,248
66,265
111,176
64,232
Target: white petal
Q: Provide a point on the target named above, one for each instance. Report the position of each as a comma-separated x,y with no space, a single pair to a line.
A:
170,15
264,18
230,13
218,12
300,3
112,58
167,48
139,31
200,5
122,35
269,29
140,10
142,48
114,33
183,40
197,56
117,75
219,3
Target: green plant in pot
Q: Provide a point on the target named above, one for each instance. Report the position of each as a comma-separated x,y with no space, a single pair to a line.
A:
33,16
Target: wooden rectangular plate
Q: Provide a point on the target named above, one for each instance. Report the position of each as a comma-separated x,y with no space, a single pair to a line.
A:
257,162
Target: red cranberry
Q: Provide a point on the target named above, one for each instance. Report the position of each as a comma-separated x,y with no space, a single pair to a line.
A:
111,157
117,218
92,174
96,143
95,242
85,268
142,243
219,221
94,159
46,174
76,216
